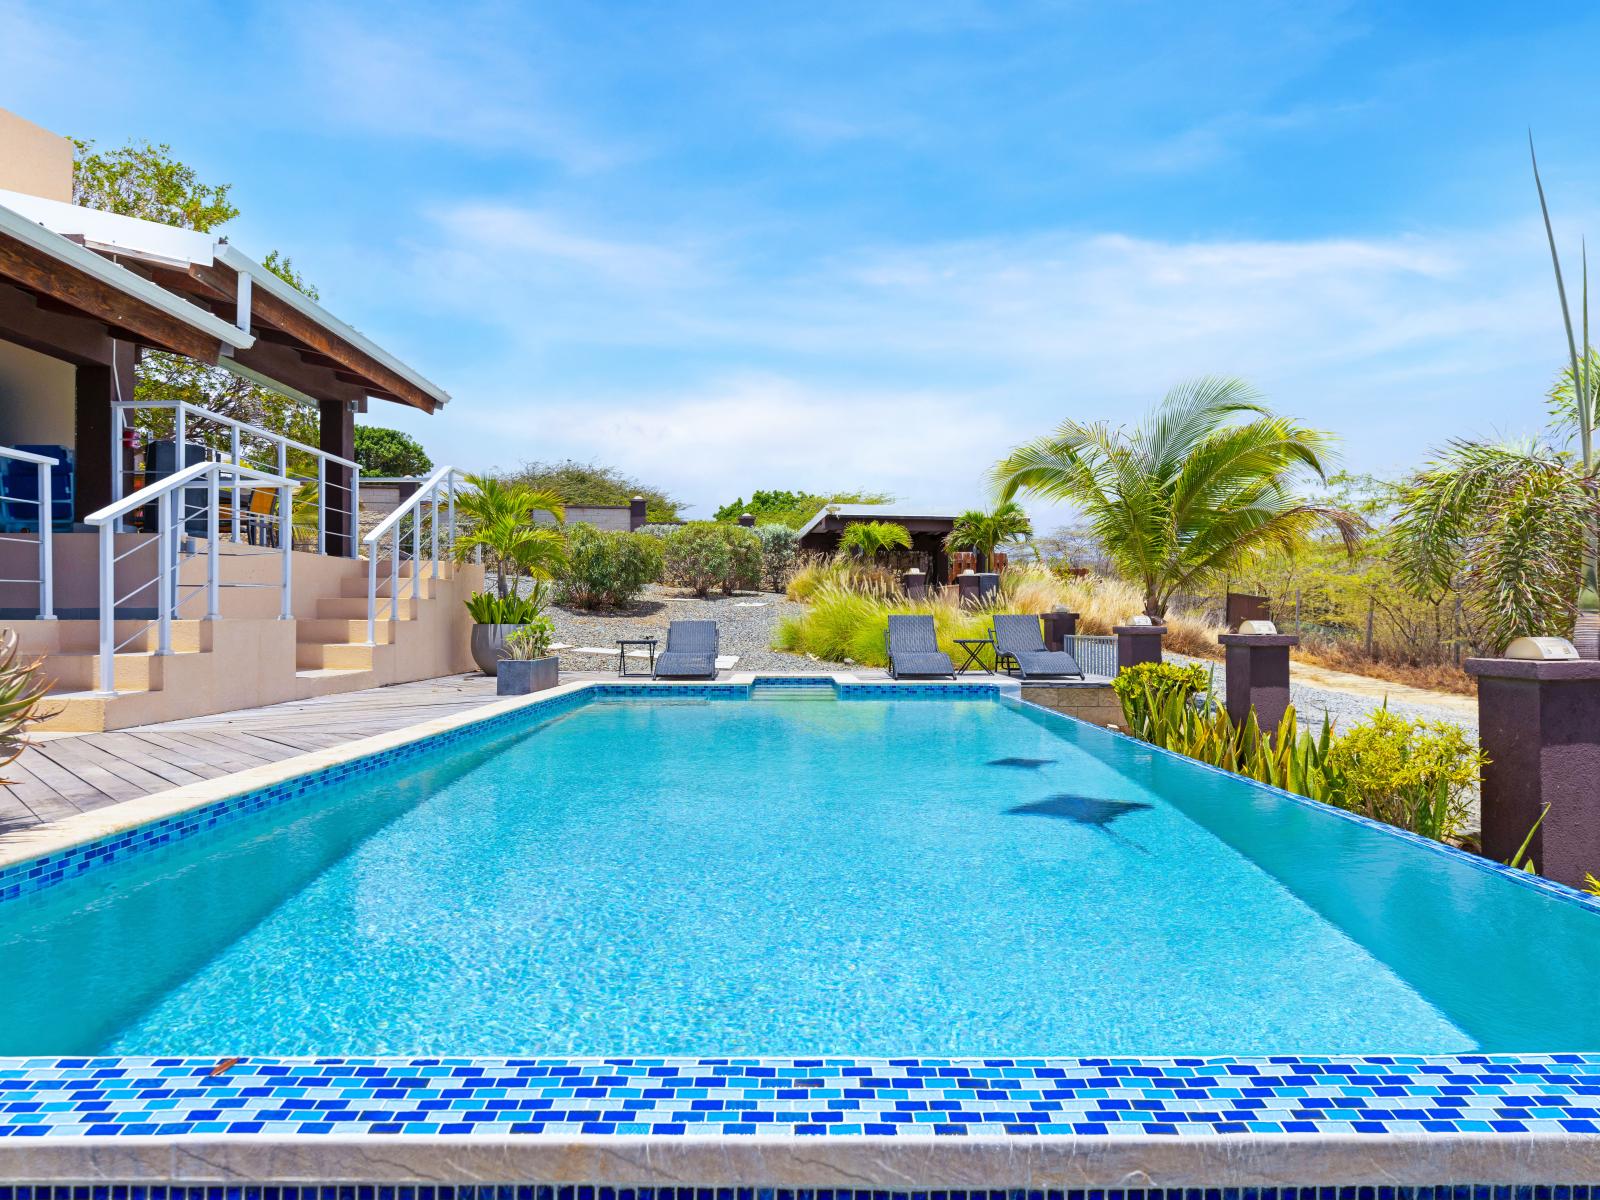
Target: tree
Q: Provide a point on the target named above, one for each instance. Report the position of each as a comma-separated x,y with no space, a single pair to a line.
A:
499,521
984,531
389,452
579,483
871,538
1200,488
794,509
145,181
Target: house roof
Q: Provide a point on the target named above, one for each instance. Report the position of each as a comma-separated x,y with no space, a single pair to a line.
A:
289,337
64,274
869,512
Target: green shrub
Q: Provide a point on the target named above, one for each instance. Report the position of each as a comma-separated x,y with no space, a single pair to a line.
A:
780,551
383,452
530,641
1146,689
844,624
1412,773
658,529
703,555
606,568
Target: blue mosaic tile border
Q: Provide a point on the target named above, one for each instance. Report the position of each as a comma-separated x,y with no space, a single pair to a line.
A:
797,1098
34,875
594,1191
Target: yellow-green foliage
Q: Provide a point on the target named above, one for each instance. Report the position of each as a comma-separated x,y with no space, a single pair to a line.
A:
1411,773
845,624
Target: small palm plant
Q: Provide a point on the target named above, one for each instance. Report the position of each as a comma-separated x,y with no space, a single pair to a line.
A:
872,538
499,522
984,532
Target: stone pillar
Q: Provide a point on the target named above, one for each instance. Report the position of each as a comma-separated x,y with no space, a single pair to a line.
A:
636,513
93,461
967,589
915,584
1138,644
338,436
1539,723
747,520
1258,675
1059,626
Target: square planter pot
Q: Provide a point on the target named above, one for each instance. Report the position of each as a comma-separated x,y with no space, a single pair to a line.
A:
523,676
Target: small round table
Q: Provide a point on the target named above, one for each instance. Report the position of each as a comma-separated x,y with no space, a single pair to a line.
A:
973,648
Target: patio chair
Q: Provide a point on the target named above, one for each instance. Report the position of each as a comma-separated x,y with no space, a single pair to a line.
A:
913,649
691,651
1017,639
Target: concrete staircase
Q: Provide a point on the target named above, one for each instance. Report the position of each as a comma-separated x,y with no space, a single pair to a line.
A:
250,657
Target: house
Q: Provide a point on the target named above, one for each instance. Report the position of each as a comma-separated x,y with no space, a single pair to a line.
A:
821,534
245,581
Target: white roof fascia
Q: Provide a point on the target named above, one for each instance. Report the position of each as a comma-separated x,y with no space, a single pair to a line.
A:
116,234
25,229
296,299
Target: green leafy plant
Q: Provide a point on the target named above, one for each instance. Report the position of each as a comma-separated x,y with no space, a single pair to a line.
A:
390,452
579,483
869,539
1145,690
1198,490
487,608
780,552
1414,774
984,532
22,692
607,568
530,641
499,523
1522,861
793,509
703,555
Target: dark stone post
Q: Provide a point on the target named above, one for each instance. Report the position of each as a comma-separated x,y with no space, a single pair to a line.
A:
915,584
636,513
1258,675
1058,626
1539,723
747,520
1138,644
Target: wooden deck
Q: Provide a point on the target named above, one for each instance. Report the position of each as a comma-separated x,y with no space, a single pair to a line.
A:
71,773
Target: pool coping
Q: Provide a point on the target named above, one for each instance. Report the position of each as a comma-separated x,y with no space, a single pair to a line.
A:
1235,1121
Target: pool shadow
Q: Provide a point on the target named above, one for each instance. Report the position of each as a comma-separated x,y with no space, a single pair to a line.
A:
1021,764
1089,811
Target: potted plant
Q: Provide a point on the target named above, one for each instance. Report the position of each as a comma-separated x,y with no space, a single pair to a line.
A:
526,664
495,618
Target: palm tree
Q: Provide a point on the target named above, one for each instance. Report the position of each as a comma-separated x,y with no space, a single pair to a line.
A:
871,538
1194,492
499,520
984,531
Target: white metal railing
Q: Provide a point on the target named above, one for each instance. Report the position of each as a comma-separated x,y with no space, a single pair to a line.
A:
44,506
246,445
174,509
436,491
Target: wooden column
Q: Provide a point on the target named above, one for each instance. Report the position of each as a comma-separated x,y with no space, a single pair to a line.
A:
338,436
94,465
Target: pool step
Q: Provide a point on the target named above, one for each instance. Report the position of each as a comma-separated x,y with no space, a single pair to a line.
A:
791,690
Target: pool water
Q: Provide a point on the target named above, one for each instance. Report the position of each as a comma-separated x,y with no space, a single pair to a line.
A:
721,877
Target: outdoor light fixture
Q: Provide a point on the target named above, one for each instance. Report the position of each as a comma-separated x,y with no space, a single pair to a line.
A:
1257,627
1546,649
1141,619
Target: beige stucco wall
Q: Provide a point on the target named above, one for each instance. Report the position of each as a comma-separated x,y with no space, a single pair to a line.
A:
34,160
37,396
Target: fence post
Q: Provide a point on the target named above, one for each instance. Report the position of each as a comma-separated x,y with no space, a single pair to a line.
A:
47,556
164,531
322,505
286,545
238,480
1369,626
214,490
108,608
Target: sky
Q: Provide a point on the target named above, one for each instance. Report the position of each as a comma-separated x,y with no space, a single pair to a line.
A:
873,245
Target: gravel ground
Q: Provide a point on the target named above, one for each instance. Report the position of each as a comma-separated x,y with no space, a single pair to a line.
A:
745,625
1344,708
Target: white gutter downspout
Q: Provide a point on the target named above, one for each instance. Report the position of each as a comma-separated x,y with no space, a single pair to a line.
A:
241,315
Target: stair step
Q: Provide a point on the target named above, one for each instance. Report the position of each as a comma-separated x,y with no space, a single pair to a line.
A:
354,608
341,656
330,672
340,630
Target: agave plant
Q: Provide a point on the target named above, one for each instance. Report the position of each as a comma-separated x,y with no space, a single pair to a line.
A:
22,690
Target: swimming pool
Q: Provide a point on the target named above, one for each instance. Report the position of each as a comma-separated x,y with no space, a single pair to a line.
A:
702,873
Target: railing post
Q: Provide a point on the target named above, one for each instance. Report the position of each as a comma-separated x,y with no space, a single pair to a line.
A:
180,431
108,608
394,574
116,454
47,558
450,480
164,556
238,490
433,526
322,505
355,511
372,595
286,543
416,550
212,536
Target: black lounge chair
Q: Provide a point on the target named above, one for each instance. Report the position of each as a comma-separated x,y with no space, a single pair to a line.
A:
913,649
1017,638
691,651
